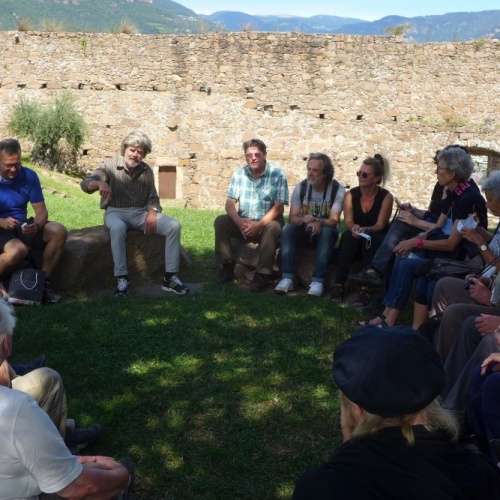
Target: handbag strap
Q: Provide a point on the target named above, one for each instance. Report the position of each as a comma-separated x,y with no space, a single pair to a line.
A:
27,287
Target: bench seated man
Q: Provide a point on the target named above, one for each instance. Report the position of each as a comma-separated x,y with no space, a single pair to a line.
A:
254,212
18,235
130,201
315,211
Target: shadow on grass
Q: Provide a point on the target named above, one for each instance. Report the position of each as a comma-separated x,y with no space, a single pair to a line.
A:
223,394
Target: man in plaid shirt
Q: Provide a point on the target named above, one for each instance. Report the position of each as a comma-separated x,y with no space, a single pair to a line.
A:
261,192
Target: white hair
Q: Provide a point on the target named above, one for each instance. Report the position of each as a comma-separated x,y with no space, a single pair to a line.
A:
7,324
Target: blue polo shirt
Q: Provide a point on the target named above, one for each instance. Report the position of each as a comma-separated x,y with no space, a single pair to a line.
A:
15,194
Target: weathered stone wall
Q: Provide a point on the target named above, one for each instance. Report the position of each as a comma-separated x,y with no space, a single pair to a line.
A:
199,97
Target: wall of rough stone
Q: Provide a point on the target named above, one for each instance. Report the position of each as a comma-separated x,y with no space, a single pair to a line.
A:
199,97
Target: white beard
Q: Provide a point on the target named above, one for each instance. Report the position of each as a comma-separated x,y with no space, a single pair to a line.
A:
131,164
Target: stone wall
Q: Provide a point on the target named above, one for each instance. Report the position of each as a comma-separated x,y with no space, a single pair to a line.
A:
199,97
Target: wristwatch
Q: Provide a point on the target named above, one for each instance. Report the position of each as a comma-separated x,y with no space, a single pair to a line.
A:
483,248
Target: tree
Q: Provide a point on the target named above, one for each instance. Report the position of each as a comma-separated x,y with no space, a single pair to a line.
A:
56,129
399,30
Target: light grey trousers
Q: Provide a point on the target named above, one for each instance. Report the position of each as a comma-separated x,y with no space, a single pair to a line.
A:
119,220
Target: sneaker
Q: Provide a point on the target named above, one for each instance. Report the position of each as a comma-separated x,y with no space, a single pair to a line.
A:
367,277
49,296
284,286
174,284
315,289
77,439
122,286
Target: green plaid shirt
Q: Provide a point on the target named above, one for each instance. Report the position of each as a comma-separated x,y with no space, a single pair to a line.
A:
256,197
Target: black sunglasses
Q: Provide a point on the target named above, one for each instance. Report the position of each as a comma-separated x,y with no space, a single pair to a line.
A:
364,175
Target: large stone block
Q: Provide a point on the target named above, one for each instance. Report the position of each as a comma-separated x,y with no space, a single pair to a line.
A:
87,263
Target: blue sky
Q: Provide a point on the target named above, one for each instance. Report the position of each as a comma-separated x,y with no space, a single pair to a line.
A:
368,10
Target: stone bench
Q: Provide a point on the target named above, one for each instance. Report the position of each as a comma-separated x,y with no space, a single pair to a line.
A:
87,263
246,256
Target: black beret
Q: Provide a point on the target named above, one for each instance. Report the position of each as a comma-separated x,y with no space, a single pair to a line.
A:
388,371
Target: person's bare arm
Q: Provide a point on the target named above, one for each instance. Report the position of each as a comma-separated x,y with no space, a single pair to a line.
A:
40,219
104,482
447,245
253,227
294,216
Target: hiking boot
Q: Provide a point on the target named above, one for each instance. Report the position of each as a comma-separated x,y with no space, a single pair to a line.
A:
284,286
259,282
226,273
49,296
122,286
367,277
315,289
78,439
174,284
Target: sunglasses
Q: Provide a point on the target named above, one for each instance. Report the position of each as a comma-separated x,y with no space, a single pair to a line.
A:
363,175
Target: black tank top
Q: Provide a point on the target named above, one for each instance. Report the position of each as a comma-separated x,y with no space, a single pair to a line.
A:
369,218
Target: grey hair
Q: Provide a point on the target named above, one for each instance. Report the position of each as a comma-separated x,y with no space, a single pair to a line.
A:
7,324
492,184
458,161
328,168
137,138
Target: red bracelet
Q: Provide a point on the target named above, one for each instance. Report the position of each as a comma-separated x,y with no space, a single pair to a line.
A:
420,243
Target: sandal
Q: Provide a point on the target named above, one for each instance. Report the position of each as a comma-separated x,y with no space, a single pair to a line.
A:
382,323
337,294
364,298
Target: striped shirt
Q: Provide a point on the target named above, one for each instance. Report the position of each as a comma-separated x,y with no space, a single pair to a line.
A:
129,188
256,197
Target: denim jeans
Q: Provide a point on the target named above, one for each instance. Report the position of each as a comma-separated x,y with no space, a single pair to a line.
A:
401,285
293,235
485,404
384,256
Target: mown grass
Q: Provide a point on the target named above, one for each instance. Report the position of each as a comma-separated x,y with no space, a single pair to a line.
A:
220,394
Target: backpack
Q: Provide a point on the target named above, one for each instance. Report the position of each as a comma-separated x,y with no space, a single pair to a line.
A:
303,188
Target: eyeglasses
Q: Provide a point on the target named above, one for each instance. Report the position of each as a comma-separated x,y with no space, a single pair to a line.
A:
256,155
363,175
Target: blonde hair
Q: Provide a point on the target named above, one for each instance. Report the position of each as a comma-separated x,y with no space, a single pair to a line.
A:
433,417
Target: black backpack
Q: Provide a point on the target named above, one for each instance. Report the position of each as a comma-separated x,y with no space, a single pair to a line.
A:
303,188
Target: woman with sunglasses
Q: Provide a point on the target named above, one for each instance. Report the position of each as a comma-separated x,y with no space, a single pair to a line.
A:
367,210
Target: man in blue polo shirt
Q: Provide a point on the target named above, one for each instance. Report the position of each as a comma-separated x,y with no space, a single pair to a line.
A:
261,192
18,234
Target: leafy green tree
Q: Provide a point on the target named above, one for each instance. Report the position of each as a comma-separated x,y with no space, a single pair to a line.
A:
56,129
399,30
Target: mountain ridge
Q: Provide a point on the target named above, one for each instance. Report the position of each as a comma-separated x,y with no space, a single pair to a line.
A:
169,17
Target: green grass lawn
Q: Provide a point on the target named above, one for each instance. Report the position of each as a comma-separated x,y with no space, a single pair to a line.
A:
220,394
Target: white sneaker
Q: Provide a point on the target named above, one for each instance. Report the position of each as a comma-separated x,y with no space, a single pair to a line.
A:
284,286
315,289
